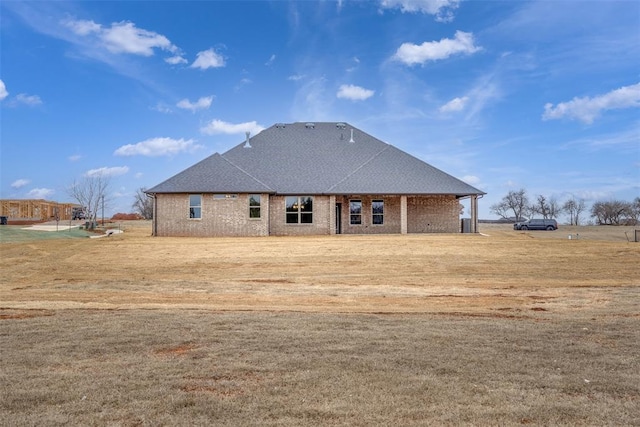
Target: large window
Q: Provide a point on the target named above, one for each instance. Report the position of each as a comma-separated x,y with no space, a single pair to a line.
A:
355,211
195,206
254,206
299,209
377,212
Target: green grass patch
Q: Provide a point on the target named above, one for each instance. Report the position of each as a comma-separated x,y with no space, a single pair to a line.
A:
17,233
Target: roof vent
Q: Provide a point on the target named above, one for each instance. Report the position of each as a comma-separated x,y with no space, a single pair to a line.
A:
351,140
247,144
341,125
280,125
310,125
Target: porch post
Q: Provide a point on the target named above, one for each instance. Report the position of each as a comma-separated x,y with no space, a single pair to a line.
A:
332,214
403,214
474,213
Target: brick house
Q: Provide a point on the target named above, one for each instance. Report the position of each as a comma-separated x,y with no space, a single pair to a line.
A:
310,179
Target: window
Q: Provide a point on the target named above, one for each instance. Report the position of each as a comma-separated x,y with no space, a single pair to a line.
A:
254,206
195,206
377,212
299,209
355,210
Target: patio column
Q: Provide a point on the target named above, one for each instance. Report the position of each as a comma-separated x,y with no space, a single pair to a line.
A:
332,214
474,213
403,214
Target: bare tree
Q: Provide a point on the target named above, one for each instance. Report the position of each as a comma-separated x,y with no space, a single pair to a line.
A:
513,205
541,206
613,212
574,208
635,211
143,204
90,193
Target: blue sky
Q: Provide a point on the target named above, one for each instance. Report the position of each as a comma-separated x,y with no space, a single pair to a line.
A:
541,95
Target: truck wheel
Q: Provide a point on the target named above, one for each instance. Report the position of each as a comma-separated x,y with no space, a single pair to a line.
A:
524,227
550,228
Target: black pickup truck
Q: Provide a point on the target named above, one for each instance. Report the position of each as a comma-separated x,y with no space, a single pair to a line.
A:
537,224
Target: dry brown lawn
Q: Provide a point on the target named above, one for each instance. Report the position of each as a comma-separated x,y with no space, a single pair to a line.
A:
496,329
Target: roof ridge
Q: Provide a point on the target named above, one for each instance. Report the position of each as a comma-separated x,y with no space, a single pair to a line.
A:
245,172
360,167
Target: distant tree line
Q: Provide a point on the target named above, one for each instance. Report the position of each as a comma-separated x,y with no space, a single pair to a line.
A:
517,205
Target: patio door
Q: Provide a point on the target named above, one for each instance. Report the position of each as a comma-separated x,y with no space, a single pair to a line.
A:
338,218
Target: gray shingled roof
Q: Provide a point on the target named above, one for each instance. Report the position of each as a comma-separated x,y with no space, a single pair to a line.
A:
320,159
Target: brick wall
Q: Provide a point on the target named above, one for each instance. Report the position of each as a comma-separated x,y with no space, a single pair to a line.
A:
220,217
230,217
433,214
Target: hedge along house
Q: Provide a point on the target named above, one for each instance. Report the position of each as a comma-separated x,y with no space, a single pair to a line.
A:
310,179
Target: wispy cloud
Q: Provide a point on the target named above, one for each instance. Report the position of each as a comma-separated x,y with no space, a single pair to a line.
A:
19,183
587,109
354,93
216,126
156,147
40,193
473,102
107,171
161,107
443,10
208,59
411,54
75,157
175,60
471,179
455,105
271,60
3,91
122,37
201,104
106,44
24,99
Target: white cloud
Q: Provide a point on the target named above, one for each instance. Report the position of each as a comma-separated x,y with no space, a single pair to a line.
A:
82,27
354,93
208,59
40,193
155,147
412,54
75,157
441,9
162,108
107,172
201,104
588,109
124,37
471,179
455,105
30,100
175,60
219,127
295,77
3,91
271,60
19,183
